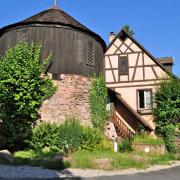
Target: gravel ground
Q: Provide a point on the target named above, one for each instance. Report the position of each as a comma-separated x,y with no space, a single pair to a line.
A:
30,172
36,172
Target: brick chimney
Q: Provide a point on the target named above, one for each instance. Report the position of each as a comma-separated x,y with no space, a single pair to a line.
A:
167,62
112,35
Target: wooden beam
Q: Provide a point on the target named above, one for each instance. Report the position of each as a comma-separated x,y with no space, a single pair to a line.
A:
134,73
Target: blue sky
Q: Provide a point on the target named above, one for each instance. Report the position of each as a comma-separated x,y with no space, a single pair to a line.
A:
155,22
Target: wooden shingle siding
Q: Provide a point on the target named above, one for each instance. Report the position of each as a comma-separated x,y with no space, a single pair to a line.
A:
69,47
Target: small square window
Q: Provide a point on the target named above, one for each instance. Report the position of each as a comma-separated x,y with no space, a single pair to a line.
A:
123,65
145,99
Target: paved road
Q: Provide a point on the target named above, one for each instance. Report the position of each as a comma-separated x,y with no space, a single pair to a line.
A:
167,174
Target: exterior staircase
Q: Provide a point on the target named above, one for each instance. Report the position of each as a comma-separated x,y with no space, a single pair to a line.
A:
121,128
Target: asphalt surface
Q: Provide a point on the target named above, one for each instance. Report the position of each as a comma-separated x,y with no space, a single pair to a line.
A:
167,174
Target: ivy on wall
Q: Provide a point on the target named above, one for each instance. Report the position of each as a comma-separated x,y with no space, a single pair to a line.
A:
98,101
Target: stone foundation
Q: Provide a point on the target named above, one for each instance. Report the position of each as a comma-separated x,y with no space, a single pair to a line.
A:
153,149
110,131
70,99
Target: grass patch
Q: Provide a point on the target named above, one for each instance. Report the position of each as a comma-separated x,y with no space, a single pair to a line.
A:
82,159
162,159
97,159
145,139
45,160
87,159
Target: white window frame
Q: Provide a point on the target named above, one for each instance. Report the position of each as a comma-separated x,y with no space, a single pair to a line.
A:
145,99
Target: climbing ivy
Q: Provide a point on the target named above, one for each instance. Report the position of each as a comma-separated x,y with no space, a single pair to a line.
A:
98,100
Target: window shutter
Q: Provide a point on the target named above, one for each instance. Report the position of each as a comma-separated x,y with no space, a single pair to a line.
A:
145,99
90,54
147,95
141,100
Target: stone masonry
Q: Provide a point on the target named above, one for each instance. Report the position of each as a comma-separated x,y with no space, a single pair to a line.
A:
70,99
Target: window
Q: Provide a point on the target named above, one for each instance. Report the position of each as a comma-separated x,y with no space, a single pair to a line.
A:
123,65
90,54
145,99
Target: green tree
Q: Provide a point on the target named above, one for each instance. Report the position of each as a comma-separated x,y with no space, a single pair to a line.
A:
128,30
22,90
167,110
98,101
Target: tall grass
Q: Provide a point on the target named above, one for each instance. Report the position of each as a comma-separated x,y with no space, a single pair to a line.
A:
146,139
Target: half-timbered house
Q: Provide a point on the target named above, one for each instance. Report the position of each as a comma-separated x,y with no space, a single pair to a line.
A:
131,74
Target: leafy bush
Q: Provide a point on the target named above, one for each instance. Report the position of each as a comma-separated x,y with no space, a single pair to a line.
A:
167,99
106,145
125,145
70,135
66,137
146,139
44,135
91,138
167,111
168,133
22,90
98,100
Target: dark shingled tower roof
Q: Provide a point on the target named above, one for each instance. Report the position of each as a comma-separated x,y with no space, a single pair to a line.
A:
55,15
58,17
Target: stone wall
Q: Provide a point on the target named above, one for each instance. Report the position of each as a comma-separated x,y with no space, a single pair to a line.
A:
153,149
70,99
110,131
